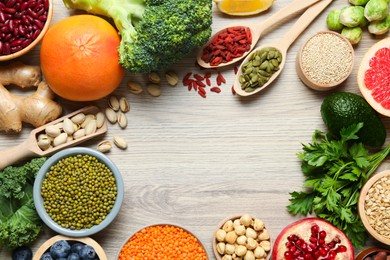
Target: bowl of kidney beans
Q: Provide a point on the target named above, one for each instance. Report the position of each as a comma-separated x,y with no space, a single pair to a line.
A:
23,23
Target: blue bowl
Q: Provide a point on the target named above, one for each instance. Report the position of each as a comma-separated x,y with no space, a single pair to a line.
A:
38,200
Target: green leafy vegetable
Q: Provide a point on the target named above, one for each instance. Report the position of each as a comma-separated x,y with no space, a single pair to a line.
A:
155,33
335,171
19,221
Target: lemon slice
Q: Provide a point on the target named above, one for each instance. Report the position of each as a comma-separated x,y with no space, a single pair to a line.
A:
243,7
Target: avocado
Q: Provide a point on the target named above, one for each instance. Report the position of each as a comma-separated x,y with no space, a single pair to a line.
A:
342,109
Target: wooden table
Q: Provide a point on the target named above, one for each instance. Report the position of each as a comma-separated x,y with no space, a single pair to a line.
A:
193,161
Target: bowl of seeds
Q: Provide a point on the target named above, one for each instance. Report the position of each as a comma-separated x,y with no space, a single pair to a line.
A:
78,192
374,206
325,60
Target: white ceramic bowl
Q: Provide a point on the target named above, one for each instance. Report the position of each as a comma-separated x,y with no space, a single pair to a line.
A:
38,200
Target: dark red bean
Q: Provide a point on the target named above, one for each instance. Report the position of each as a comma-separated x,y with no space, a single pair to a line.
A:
23,6
26,43
25,20
1,47
22,29
10,3
38,23
16,48
46,4
16,43
6,48
2,17
42,18
35,34
32,14
9,10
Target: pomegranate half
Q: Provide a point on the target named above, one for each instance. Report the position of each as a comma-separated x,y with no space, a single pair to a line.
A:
312,238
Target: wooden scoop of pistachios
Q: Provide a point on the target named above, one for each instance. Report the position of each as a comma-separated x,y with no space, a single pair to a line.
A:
70,130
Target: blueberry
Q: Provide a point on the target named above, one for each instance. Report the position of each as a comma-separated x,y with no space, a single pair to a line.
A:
22,253
87,252
46,256
59,249
73,256
76,247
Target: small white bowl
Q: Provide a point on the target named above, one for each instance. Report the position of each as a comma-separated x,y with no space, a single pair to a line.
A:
38,200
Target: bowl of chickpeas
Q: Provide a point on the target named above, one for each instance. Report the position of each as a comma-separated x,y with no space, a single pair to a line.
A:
78,192
244,236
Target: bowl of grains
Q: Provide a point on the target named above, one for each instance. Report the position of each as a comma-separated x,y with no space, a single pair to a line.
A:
374,206
243,236
78,192
163,241
23,23
325,60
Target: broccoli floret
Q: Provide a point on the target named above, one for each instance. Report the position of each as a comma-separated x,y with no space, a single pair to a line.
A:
155,33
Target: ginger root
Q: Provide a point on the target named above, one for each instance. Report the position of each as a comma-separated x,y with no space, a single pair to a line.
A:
36,109
20,74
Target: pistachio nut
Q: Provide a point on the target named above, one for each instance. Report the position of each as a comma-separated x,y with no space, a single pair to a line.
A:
154,90
104,146
91,127
44,143
111,115
113,103
88,118
68,126
124,105
100,118
122,120
79,133
60,139
154,77
78,119
120,142
134,87
172,78
53,131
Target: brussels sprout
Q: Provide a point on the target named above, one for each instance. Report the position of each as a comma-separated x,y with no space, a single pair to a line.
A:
358,2
352,16
333,20
380,27
376,10
354,35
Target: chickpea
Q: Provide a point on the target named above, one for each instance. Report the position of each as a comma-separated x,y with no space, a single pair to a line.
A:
258,224
249,256
246,220
220,235
240,250
251,243
227,257
240,230
221,248
266,245
228,226
241,240
231,237
229,249
259,252
264,235
250,233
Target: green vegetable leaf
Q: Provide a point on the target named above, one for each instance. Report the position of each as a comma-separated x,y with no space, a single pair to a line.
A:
302,203
335,170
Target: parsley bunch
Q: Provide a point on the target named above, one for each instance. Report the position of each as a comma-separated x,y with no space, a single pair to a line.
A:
335,170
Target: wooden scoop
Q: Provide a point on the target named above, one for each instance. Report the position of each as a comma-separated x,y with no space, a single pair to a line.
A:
30,146
282,45
258,29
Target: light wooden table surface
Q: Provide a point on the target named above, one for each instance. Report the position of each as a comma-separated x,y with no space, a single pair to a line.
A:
193,161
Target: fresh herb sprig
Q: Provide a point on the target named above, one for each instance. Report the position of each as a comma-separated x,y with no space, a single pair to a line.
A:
335,171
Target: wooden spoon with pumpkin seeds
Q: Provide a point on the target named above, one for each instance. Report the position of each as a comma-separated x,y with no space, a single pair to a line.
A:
264,64
30,146
258,29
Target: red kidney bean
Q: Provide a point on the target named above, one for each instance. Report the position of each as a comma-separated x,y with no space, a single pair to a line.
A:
21,22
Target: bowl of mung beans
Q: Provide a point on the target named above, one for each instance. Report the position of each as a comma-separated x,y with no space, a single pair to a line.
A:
374,206
78,192
163,241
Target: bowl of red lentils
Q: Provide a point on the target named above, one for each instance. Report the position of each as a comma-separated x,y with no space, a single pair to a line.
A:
374,206
163,241
78,192
23,23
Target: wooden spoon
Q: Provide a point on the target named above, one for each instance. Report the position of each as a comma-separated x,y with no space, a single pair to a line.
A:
301,24
30,146
258,29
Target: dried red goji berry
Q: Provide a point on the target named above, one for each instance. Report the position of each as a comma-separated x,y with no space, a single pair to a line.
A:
215,89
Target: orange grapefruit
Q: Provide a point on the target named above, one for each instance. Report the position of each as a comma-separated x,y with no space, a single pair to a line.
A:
79,58
374,76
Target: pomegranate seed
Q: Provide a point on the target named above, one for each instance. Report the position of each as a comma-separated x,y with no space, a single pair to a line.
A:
341,249
315,229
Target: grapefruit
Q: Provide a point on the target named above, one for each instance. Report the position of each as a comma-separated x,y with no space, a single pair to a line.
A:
374,76
243,7
79,58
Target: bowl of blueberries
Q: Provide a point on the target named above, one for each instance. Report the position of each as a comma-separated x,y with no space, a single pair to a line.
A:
70,248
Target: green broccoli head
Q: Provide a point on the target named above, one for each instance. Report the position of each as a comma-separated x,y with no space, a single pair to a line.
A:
155,33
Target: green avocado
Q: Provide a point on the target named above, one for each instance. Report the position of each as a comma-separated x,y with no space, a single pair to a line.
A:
342,109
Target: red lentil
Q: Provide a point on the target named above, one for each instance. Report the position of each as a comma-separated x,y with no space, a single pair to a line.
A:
228,44
163,242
